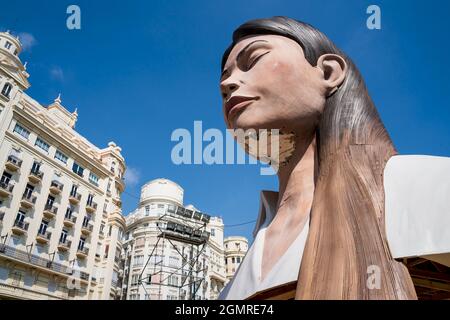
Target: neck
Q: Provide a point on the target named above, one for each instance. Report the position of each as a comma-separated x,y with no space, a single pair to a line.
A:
297,176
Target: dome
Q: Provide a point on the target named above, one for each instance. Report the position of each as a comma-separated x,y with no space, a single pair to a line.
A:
162,189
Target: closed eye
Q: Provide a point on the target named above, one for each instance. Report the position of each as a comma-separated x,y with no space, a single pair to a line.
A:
252,62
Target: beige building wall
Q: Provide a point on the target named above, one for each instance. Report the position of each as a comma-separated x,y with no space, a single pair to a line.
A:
60,209
236,248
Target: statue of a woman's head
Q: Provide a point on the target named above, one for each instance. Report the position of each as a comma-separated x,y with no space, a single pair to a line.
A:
280,73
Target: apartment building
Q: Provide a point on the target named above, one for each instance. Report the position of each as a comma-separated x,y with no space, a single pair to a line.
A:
171,251
60,197
236,248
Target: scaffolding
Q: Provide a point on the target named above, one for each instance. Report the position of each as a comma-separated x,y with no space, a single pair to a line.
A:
188,227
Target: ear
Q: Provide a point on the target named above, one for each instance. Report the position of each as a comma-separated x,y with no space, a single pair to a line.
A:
334,69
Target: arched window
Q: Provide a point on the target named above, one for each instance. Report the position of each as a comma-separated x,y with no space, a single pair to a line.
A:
6,89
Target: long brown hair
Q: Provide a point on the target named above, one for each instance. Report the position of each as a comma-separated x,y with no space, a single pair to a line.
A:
347,242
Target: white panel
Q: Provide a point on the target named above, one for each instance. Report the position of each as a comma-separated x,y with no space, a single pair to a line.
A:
417,193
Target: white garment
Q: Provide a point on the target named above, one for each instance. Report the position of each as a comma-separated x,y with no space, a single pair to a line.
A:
247,279
417,219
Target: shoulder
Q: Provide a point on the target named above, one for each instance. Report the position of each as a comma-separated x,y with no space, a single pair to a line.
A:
417,205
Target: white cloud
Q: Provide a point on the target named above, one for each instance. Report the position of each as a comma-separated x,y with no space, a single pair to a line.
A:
57,73
132,176
27,40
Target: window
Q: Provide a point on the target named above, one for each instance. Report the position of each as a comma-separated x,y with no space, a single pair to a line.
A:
69,212
74,190
140,242
173,281
160,205
35,168
93,179
20,217
77,169
135,279
28,191
232,260
110,231
6,177
43,227
8,45
147,210
86,220
108,188
213,232
21,131
81,243
63,237
105,207
61,157
50,201
42,144
6,90
102,227
106,251
138,261
238,259
90,199
173,262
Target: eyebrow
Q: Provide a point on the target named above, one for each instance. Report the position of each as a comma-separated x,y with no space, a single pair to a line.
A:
242,52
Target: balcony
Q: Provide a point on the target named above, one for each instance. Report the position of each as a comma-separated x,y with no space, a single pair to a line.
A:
27,258
6,189
82,253
101,233
20,227
74,198
64,245
56,187
50,211
86,229
13,163
98,257
120,183
69,221
35,176
91,207
28,200
43,237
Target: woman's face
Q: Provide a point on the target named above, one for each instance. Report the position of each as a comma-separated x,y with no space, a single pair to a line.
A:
268,84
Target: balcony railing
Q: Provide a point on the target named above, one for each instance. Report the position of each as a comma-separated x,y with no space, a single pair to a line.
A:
6,189
13,163
38,261
74,197
35,176
86,228
43,237
50,211
82,252
69,221
20,227
28,200
56,187
91,207
64,245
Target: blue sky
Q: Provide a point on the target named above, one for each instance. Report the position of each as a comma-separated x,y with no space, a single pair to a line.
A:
137,70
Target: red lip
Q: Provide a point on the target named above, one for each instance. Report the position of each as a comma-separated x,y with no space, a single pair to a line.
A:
236,102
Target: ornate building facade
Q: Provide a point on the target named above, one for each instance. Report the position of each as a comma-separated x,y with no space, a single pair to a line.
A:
235,250
60,197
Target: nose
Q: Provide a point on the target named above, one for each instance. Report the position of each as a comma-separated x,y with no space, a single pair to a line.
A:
227,88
